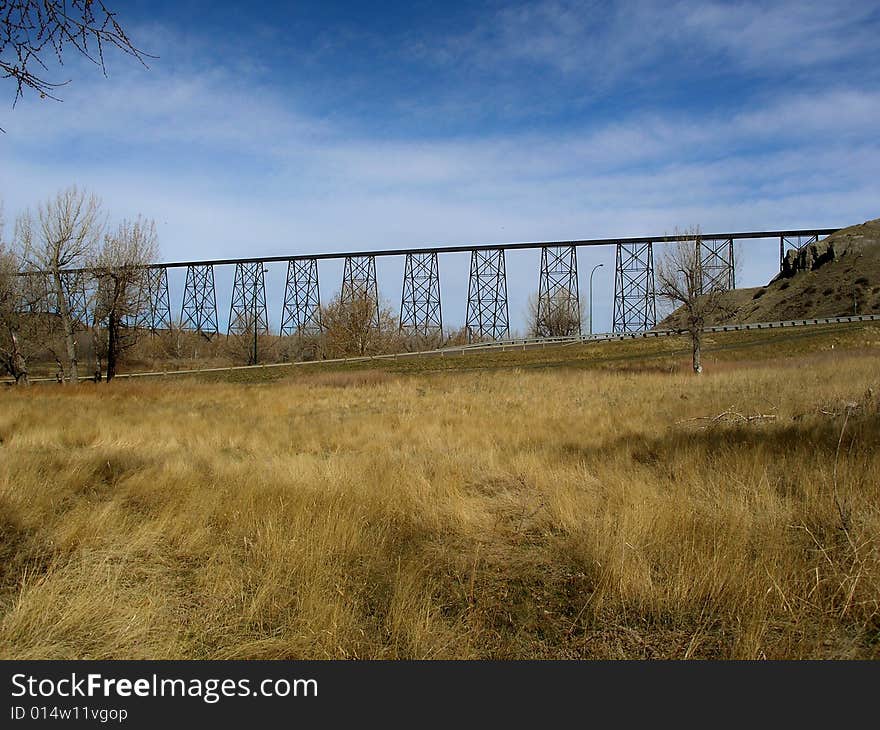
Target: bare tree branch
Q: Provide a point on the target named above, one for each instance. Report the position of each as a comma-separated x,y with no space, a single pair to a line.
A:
32,31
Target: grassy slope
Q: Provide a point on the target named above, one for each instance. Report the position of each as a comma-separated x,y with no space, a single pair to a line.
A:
499,512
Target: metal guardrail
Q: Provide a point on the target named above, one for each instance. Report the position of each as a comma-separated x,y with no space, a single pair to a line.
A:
504,345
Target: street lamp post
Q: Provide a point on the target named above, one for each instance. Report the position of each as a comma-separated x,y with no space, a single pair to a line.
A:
591,294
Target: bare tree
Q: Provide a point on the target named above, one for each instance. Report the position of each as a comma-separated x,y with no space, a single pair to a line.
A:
63,236
353,327
36,32
681,282
557,315
121,275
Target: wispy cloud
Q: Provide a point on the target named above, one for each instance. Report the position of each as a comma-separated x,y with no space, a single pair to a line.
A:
784,35
602,43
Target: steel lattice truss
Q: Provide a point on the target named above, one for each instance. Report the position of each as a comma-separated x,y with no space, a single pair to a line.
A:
487,316
199,309
559,312
73,283
794,243
359,283
160,299
716,265
635,307
247,311
420,311
153,307
301,314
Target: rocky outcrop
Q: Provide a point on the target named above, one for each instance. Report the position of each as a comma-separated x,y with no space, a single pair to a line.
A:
807,258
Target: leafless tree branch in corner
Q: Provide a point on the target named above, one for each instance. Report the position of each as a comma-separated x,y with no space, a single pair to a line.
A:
34,33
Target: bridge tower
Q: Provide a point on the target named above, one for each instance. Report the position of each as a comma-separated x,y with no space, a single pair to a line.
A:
359,283
247,309
487,314
160,300
154,304
199,308
635,307
717,264
559,312
420,311
301,314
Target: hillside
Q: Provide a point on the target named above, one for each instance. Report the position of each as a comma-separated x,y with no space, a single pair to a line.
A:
839,275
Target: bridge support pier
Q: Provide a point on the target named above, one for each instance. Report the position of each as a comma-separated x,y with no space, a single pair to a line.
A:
559,313
160,300
717,264
635,307
247,309
154,304
301,314
199,309
420,311
487,314
359,283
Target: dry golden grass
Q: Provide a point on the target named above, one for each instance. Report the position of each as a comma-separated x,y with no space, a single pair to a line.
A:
503,514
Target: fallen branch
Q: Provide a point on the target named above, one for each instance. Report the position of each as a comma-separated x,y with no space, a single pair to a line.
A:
732,416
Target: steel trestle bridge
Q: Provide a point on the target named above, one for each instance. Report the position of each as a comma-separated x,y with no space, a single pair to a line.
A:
487,317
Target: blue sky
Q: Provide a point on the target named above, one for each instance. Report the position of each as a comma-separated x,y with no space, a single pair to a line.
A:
305,127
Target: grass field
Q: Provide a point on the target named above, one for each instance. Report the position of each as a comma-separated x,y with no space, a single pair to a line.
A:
531,508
